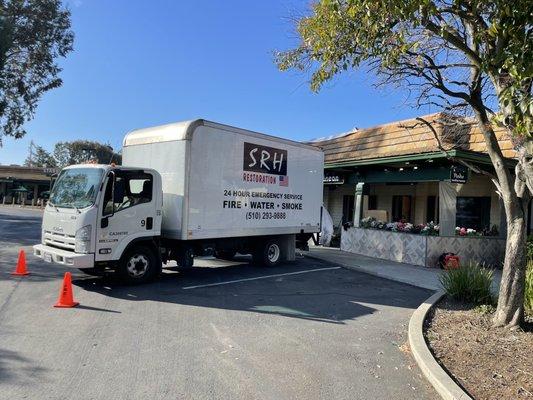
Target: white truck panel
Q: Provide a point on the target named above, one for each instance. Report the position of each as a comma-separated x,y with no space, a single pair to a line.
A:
209,191
168,158
223,196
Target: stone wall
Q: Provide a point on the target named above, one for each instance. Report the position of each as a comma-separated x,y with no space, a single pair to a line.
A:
400,247
419,249
487,250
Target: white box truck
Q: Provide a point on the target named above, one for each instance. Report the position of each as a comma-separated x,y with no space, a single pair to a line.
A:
185,189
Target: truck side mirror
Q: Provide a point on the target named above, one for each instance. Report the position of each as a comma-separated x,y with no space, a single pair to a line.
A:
113,177
53,179
118,193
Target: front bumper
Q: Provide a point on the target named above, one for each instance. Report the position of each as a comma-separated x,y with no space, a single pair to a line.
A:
63,257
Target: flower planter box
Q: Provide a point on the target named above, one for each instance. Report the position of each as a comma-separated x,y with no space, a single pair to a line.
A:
419,249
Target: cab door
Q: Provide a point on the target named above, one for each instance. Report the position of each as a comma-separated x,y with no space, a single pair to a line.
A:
127,212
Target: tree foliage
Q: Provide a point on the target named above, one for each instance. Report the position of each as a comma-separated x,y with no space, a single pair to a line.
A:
41,158
443,50
33,35
82,151
464,57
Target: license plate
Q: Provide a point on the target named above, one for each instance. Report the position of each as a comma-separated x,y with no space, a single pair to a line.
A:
47,257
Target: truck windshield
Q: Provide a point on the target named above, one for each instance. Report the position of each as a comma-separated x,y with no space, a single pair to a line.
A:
76,187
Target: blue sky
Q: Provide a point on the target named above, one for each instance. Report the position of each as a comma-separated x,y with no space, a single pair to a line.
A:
143,63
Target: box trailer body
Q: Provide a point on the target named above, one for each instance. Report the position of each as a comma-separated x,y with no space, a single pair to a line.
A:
185,189
216,185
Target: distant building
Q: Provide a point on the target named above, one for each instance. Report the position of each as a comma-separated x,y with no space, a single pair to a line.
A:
24,185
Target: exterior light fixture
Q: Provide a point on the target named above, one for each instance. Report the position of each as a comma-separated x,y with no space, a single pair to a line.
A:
401,169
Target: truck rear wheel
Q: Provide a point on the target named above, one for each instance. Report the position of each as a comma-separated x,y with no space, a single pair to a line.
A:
268,254
138,265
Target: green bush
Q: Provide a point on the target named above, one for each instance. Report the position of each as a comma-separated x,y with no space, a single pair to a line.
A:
528,292
470,283
529,248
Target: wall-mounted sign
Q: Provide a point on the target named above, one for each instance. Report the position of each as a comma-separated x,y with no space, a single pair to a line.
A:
333,179
458,174
51,171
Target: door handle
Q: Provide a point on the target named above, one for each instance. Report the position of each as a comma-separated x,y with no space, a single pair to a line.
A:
104,223
149,223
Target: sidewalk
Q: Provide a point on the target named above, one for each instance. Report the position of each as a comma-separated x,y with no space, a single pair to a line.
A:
427,278
424,277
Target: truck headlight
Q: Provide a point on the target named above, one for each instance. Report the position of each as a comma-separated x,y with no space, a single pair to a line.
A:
83,240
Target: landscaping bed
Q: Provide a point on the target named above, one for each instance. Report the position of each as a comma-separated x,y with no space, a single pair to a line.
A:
489,363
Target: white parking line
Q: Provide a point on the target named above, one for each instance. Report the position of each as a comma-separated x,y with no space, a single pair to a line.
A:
260,277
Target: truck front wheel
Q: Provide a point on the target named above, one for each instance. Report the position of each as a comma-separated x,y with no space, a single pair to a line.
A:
267,254
138,265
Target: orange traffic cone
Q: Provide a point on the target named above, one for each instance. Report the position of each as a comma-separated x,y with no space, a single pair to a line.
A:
21,265
66,297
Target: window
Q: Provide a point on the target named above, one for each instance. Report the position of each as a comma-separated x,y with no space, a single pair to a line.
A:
373,202
432,213
348,208
76,187
401,208
131,188
473,212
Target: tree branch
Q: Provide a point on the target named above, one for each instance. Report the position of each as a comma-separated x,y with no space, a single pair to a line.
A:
446,153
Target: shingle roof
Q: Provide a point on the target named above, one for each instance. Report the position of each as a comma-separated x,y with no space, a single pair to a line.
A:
411,137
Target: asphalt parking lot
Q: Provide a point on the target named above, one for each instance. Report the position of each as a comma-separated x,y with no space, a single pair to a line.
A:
224,330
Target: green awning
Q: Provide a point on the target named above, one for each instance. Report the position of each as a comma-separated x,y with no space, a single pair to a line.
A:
475,157
20,189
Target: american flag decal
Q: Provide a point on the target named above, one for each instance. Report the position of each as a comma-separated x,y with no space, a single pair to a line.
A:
284,180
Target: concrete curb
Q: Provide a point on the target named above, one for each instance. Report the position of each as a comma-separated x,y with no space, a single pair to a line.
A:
370,272
441,381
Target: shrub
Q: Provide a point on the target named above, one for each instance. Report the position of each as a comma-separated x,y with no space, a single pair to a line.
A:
470,283
485,309
529,248
528,292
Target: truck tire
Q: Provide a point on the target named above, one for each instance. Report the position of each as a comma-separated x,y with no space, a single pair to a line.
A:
185,257
227,255
267,254
138,265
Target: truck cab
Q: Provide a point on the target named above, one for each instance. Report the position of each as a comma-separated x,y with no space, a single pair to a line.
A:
103,216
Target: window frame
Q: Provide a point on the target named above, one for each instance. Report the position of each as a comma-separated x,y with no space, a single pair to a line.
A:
127,176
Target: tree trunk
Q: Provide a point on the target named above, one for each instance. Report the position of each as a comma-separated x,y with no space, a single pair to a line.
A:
510,310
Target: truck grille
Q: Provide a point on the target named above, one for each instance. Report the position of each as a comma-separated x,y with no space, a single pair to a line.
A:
59,240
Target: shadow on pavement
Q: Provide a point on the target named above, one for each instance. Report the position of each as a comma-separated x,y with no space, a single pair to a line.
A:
20,230
331,296
89,308
16,367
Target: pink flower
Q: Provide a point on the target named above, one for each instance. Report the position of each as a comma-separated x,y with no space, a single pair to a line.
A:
462,232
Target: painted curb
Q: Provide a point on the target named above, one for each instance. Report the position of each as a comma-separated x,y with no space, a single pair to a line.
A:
441,381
